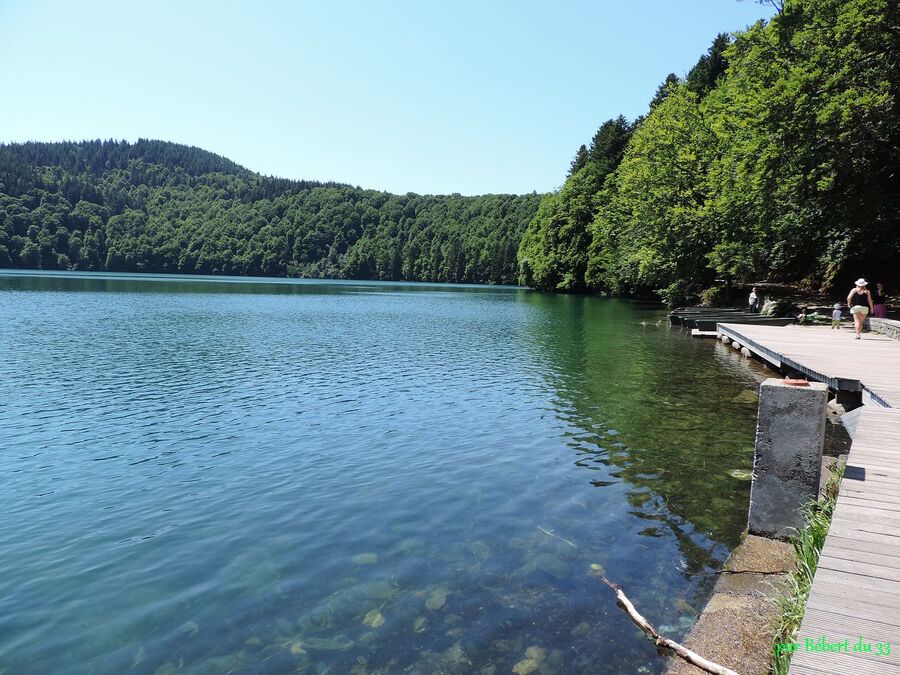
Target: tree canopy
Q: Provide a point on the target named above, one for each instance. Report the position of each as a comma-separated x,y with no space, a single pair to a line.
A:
774,158
153,206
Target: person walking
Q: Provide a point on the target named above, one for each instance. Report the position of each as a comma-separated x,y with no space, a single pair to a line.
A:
860,303
836,316
753,300
879,308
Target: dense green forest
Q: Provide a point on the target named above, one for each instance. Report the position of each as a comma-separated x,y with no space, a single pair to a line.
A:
775,158
153,206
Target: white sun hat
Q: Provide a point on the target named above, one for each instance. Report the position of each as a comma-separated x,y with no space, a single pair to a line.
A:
861,282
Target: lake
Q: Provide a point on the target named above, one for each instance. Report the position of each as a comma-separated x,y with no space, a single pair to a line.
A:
268,476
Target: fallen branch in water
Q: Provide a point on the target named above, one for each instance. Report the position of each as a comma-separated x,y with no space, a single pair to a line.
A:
664,643
550,534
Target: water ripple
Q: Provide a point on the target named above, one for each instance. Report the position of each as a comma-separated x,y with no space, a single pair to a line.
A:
205,477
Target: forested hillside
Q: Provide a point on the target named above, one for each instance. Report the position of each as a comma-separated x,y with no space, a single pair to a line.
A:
776,158
154,206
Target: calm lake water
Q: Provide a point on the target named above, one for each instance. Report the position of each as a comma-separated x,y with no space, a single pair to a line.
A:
260,476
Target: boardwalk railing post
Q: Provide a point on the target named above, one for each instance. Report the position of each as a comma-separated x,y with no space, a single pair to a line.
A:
790,432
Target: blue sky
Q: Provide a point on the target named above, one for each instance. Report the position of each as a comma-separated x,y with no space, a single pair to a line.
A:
429,97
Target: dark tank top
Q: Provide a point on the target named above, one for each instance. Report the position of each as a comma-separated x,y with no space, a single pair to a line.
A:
858,298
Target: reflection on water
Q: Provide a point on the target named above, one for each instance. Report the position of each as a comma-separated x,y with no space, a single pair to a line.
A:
316,477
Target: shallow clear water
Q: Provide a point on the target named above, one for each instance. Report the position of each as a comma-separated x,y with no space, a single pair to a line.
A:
266,476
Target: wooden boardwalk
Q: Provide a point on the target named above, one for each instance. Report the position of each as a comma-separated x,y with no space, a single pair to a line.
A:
870,365
856,591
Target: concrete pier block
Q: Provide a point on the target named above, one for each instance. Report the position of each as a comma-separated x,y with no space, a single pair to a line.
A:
726,340
790,432
737,345
745,351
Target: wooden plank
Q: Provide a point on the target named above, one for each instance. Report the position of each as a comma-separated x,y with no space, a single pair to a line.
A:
840,629
869,513
886,548
885,500
842,664
830,576
850,626
882,573
887,558
843,593
874,462
865,532
854,607
861,490
852,482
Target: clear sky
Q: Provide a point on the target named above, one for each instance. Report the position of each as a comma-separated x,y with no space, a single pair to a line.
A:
407,96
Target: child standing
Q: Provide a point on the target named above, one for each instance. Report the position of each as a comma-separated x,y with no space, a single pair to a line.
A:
836,316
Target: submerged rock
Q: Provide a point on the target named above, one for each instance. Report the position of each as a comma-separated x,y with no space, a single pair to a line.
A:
285,627
437,599
455,655
368,638
365,559
556,658
555,567
480,549
683,605
581,629
536,653
374,619
190,628
338,643
526,666
452,619
596,570
420,624
380,590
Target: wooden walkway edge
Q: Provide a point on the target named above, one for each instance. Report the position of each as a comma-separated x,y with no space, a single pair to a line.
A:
854,603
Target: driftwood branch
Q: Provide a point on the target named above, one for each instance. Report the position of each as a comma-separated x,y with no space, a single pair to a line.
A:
550,534
664,643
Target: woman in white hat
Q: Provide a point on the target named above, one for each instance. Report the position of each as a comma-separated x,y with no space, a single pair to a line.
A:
860,302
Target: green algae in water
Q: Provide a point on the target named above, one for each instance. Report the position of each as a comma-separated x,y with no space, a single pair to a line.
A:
746,397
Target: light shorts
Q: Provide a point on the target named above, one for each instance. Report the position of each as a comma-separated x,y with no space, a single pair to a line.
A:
859,309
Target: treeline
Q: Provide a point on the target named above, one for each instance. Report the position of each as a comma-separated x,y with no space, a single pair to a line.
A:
153,206
777,157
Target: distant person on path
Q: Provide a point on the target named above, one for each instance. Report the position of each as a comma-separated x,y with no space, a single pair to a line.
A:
753,300
878,301
860,302
836,316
